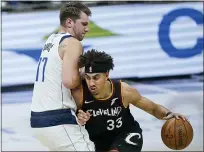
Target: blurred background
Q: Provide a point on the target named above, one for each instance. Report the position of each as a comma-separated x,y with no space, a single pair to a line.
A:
157,47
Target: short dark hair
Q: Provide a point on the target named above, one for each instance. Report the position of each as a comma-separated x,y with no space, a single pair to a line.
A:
97,59
73,10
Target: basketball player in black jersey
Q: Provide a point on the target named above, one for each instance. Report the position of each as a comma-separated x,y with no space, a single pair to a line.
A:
104,105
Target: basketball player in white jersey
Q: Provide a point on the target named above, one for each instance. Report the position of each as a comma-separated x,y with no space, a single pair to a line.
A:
53,108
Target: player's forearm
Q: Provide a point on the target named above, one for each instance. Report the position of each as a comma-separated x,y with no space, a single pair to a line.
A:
160,112
151,107
77,94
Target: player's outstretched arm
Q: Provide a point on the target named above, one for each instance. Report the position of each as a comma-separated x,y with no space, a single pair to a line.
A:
71,49
132,96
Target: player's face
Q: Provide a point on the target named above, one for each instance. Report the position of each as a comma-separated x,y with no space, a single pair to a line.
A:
81,26
95,82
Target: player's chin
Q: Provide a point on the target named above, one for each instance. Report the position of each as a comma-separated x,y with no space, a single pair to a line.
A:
81,38
94,92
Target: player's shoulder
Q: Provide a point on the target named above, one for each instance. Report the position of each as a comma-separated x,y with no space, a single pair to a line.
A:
69,44
125,86
71,40
127,89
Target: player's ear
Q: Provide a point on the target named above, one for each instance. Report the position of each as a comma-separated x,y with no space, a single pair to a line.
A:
69,22
107,75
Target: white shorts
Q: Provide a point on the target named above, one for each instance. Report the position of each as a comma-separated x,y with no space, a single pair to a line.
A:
67,137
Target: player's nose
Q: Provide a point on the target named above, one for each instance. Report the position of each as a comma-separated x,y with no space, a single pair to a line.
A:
86,29
92,83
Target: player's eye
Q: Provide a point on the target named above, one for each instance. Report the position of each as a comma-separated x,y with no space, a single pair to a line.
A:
87,77
96,77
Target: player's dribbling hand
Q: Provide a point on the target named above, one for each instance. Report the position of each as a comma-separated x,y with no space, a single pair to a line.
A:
83,117
176,115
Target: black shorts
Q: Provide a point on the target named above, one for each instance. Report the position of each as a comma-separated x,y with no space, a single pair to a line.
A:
128,142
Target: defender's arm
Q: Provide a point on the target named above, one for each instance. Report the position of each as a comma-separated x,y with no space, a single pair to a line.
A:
71,49
77,94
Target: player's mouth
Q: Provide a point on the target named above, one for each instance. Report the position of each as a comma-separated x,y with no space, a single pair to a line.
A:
93,89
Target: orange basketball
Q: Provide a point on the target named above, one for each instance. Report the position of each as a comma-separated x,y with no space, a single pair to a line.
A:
177,134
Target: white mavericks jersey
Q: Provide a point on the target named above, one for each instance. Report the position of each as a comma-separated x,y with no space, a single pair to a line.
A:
49,93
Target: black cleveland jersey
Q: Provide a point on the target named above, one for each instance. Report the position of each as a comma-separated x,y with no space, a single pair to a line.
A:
109,118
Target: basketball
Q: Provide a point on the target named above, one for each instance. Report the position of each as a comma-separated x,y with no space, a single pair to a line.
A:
177,134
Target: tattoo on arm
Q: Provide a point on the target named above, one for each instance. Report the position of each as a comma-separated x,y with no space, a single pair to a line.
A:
62,46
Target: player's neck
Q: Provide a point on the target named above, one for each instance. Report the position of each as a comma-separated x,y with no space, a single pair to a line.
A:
65,30
106,93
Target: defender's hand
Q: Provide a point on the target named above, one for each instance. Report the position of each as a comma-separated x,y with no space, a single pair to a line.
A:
83,117
176,115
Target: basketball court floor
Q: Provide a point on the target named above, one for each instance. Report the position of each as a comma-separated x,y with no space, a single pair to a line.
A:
183,96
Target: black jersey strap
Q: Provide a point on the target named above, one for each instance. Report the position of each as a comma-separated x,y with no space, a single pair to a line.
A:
85,91
118,89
